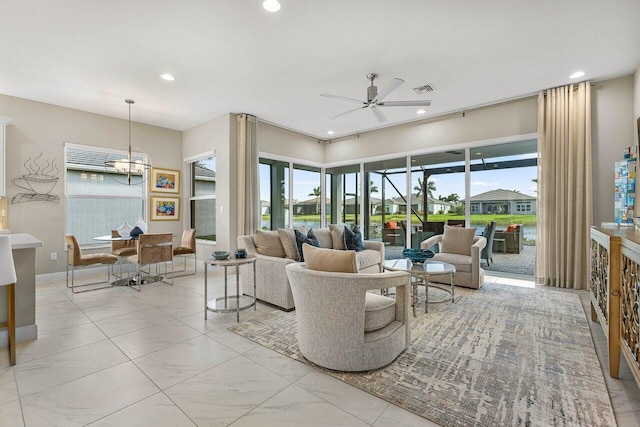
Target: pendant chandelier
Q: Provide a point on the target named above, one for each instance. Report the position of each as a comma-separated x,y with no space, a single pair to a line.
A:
136,163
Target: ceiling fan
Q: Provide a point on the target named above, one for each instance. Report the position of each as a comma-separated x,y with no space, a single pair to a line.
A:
374,99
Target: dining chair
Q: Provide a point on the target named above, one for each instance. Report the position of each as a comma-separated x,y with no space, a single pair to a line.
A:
75,258
8,278
187,247
122,249
151,249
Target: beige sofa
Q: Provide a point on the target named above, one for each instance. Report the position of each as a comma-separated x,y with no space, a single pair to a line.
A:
272,285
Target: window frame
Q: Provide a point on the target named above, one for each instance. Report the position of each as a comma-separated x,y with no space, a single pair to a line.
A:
191,161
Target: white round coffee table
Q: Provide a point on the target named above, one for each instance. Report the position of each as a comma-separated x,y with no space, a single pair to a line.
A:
422,272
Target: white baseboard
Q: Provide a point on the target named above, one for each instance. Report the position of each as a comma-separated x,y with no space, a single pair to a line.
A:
93,271
23,334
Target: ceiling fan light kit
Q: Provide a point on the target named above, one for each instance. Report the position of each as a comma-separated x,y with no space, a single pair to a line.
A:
375,99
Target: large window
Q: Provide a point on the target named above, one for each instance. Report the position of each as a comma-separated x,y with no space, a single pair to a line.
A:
274,194
345,194
203,198
96,203
386,201
504,187
307,201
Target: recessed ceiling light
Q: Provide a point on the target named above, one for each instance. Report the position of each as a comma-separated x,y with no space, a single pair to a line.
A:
271,5
478,153
331,132
168,77
576,75
421,111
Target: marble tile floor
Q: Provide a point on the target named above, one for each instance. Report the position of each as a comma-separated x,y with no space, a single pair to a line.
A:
116,357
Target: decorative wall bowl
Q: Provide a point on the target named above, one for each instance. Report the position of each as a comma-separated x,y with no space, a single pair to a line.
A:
221,255
418,255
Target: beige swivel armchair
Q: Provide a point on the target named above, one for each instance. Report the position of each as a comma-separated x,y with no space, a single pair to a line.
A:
187,247
75,258
343,327
466,260
152,249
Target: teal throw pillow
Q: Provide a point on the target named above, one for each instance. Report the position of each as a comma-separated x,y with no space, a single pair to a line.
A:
353,239
301,239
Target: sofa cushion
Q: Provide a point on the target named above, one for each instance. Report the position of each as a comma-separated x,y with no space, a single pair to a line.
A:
301,239
353,239
461,262
379,311
324,237
268,243
322,259
288,240
337,231
367,258
457,240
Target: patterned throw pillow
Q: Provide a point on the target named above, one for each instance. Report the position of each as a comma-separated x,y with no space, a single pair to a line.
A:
353,239
309,239
288,240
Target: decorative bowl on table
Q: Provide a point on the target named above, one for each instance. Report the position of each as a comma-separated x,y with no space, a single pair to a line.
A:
220,255
417,255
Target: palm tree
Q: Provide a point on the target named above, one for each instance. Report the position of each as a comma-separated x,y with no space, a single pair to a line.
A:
431,188
453,197
317,193
372,187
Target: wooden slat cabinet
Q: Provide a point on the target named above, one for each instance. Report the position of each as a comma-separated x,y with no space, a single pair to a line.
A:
605,291
629,307
615,293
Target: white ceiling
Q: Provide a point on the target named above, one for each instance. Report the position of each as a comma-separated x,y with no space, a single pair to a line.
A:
233,56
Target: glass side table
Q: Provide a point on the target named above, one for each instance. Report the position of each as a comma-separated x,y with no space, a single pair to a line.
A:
421,274
230,303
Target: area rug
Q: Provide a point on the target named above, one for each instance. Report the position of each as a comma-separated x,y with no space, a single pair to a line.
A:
499,356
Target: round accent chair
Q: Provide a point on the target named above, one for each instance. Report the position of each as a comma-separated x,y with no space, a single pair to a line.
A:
343,327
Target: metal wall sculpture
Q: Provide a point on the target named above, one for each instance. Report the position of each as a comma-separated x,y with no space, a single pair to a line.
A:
38,182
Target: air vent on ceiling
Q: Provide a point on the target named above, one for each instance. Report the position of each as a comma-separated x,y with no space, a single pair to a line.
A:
424,89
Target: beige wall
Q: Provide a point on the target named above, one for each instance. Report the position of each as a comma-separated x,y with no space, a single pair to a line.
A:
283,142
611,132
219,135
515,118
43,128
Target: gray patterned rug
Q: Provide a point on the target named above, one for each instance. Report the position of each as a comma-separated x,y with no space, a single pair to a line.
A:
500,356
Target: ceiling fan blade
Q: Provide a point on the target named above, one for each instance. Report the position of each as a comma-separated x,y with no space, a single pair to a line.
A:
346,112
381,117
424,103
357,101
393,85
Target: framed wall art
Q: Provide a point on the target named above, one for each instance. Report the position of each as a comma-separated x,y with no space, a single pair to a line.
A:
164,181
165,209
